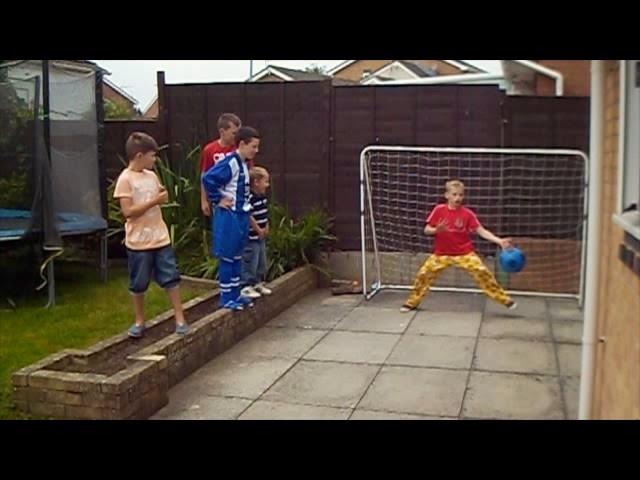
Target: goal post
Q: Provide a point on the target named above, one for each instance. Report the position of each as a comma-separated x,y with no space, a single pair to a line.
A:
538,197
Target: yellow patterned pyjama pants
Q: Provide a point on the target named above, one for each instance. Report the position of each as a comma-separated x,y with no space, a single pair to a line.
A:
469,262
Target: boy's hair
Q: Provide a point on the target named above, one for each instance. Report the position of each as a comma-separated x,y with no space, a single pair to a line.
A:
226,119
140,142
258,173
246,134
453,184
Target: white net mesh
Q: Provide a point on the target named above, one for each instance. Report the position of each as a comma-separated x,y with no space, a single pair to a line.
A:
536,197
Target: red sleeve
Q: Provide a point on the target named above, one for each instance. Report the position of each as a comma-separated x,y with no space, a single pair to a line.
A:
435,216
472,221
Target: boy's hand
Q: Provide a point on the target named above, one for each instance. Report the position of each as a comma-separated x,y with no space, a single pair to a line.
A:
441,226
163,196
505,243
262,233
226,202
206,209
266,231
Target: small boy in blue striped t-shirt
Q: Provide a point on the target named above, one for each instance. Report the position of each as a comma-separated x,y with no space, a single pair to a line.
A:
254,259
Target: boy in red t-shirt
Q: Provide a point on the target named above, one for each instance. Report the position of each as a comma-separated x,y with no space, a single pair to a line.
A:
228,125
451,223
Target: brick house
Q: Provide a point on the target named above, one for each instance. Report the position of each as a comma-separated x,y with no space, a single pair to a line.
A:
151,111
363,71
570,78
610,381
112,93
274,73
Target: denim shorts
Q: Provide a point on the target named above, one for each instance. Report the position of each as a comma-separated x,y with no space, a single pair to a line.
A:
159,263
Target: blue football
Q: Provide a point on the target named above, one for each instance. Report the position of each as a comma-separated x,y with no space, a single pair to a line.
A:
512,260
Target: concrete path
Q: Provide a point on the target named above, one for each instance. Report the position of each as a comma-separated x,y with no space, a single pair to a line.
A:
460,356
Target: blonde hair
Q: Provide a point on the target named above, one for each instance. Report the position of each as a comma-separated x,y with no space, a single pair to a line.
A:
258,173
453,184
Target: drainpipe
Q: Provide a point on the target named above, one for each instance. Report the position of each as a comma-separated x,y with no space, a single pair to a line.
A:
589,340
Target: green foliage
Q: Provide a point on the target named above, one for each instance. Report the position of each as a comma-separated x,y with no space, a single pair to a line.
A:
315,68
16,132
118,110
293,243
14,191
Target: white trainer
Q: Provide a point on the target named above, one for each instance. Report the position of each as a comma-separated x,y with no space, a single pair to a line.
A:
261,289
250,292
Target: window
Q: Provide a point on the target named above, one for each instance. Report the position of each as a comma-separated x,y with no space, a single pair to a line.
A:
628,214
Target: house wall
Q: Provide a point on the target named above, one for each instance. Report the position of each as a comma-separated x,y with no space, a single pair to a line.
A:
397,73
576,73
617,365
355,70
441,67
270,78
152,111
109,93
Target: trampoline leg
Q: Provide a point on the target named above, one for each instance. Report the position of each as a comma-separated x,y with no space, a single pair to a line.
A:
103,257
51,279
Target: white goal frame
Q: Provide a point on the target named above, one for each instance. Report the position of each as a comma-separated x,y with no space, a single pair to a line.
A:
371,288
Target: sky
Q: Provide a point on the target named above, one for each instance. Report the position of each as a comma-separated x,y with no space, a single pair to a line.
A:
138,77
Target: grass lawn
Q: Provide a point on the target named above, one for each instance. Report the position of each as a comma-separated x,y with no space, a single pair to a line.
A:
86,312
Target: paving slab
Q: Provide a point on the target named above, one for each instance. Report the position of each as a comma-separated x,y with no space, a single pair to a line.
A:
278,342
533,329
330,384
355,347
455,324
508,355
266,410
420,391
430,351
508,396
376,319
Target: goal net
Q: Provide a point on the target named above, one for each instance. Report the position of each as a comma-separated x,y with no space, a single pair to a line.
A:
537,197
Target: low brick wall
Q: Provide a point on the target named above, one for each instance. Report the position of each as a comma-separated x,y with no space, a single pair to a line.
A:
80,384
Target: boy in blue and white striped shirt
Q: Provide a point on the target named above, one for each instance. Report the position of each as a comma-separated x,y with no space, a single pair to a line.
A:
254,259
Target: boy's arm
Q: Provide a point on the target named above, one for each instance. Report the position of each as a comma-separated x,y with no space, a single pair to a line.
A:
204,203
123,192
255,227
129,210
435,224
487,235
441,226
214,179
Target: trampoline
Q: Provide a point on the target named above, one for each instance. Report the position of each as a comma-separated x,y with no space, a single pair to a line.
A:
52,173
14,224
